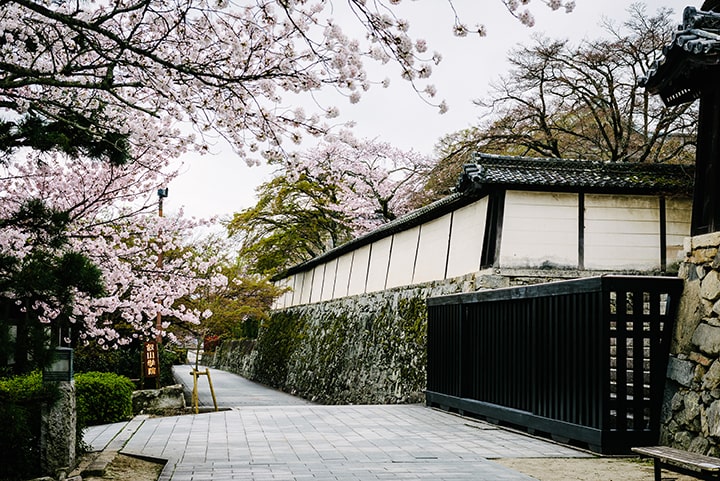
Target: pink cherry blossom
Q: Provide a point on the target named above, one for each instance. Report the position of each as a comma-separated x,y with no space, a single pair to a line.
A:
148,69
115,223
376,180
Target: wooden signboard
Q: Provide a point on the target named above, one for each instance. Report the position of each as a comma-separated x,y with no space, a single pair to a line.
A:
150,359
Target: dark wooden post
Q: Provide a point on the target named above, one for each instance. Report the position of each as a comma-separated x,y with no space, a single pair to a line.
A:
706,198
689,71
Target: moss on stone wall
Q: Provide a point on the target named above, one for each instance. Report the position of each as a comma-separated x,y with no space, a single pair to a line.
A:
367,349
362,349
281,335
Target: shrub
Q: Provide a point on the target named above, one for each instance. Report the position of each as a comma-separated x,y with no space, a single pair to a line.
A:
22,388
92,358
126,362
103,398
210,343
20,406
170,356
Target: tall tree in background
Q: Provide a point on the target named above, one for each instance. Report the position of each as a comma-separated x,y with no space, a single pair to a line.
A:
579,102
238,306
374,181
292,221
324,197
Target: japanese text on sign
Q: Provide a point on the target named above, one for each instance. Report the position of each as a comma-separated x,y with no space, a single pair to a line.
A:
150,358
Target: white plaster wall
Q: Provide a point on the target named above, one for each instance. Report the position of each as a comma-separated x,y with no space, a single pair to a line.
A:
318,280
432,250
678,213
330,277
622,232
539,228
297,284
402,258
289,295
342,280
281,301
359,272
466,238
286,299
305,283
379,258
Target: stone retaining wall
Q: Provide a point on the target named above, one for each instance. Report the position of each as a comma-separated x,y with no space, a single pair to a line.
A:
691,410
368,348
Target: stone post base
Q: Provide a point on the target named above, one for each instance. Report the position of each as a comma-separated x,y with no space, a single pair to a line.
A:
58,431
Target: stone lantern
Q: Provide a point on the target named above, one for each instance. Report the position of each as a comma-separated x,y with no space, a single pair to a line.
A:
59,416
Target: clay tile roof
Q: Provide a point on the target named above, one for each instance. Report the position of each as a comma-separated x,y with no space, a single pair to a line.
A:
491,171
696,44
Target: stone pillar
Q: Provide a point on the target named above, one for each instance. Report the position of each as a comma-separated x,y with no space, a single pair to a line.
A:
58,431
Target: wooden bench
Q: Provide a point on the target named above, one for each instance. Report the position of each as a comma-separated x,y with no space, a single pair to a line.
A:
679,461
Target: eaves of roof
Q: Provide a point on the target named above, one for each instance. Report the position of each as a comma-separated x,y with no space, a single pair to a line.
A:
695,46
576,175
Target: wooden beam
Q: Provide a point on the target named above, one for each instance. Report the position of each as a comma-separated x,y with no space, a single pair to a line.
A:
706,196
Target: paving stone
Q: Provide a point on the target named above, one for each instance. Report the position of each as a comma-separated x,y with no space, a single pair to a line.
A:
302,441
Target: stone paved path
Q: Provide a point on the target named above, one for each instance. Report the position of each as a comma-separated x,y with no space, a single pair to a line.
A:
313,442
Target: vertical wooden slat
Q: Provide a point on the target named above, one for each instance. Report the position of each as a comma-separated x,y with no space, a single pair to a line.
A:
657,373
638,358
549,355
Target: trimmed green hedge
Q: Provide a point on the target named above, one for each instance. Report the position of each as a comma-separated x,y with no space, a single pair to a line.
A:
20,406
103,398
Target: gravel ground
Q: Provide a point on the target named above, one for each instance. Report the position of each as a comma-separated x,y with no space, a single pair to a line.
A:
589,469
125,468
129,468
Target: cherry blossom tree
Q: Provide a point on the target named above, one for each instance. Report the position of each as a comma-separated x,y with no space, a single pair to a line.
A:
375,180
325,196
97,97
109,222
155,78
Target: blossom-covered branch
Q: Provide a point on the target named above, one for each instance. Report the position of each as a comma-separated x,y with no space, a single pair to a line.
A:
135,71
109,219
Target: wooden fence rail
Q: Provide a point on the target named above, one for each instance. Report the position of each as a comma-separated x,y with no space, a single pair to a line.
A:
580,360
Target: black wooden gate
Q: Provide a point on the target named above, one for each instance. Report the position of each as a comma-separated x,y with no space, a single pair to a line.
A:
580,360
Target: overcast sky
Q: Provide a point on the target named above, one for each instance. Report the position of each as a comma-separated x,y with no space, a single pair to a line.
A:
221,184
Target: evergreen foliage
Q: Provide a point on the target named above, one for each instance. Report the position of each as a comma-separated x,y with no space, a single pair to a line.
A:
72,135
21,400
47,275
103,398
125,361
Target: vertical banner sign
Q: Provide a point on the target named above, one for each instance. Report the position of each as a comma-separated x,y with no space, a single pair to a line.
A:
150,358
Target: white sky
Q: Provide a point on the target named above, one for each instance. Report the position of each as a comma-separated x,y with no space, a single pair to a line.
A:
221,184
